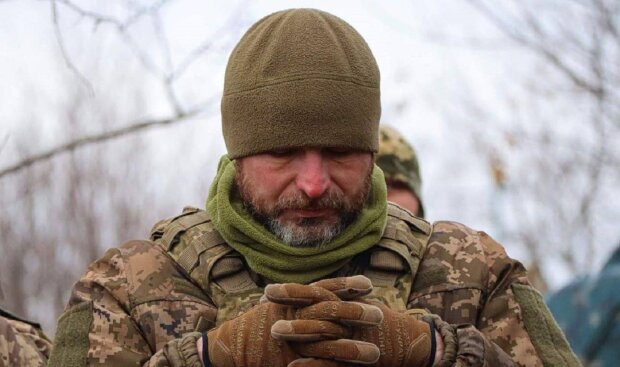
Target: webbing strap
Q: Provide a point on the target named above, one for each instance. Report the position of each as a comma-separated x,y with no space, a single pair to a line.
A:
220,266
415,241
182,224
207,259
232,287
190,256
396,257
381,278
387,264
385,268
226,266
386,260
398,234
403,214
232,274
237,282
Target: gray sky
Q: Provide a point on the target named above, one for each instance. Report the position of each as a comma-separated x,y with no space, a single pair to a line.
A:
432,54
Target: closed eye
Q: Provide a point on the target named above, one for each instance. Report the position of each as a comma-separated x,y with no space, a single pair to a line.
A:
283,153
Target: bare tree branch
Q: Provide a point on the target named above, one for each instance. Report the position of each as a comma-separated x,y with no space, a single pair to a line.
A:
232,22
580,42
608,20
121,26
96,138
164,44
168,78
63,50
535,43
4,142
148,10
97,18
165,76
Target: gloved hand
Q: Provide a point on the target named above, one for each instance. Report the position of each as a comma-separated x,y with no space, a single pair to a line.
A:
247,341
404,340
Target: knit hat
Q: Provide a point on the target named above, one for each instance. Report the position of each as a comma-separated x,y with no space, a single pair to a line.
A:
300,78
399,162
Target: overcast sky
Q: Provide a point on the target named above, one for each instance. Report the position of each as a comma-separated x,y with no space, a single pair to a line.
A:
430,53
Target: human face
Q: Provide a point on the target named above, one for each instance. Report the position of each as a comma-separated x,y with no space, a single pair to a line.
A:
305,196
401,195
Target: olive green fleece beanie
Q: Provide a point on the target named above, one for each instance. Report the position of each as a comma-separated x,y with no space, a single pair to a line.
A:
300,78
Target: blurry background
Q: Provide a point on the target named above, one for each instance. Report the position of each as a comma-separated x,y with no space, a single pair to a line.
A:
109,121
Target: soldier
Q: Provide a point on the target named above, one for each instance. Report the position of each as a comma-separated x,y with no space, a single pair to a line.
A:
298,259
22,343
399,163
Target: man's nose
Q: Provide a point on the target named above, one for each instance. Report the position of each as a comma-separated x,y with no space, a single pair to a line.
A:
313,176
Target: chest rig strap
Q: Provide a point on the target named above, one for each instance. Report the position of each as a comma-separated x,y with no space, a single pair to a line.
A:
224,276
203,254
394,262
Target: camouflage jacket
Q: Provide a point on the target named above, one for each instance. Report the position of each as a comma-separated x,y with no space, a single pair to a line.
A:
22,343
144,304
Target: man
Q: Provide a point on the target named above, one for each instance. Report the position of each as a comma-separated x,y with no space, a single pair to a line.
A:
588,310
399,163
299,260
22,343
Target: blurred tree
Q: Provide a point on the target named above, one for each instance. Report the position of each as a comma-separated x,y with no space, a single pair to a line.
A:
62,207
560,141
63,213
157,61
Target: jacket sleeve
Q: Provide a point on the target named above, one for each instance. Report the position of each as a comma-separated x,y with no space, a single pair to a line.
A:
105,322
21,344
498,318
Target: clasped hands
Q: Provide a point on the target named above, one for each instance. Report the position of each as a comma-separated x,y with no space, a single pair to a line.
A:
324,324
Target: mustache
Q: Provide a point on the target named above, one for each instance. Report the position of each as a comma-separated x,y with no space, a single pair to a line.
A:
299,201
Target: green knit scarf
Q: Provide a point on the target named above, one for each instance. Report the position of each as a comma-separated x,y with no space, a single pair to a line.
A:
268,255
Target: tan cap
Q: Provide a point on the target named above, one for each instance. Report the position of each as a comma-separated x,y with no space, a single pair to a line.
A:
300,78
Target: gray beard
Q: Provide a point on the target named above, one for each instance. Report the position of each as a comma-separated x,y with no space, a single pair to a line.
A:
295,236
306,232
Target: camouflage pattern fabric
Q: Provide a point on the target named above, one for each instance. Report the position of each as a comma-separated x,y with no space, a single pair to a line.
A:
588,310
143,308
468,279
142,312
22,343
399,162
